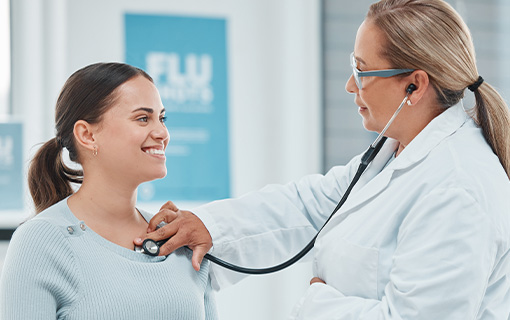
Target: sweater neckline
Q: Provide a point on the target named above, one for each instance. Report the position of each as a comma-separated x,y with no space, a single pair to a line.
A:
79,226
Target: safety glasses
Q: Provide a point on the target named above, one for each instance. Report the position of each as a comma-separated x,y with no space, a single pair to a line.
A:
376,73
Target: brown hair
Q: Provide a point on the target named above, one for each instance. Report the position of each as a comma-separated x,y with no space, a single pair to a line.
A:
86,95
430,35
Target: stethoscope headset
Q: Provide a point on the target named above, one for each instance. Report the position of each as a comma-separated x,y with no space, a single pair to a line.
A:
151,247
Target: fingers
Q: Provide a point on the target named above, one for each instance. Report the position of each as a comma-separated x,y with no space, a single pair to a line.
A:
316,280
171,245
198,255
187,230
138,242
170,206
164,215
165,232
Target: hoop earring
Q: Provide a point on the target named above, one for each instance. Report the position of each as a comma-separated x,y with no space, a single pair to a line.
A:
94,153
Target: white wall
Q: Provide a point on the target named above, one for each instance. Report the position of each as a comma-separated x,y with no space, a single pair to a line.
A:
274,92
4,57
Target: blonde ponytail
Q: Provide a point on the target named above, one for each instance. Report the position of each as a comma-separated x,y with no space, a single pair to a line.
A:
492,115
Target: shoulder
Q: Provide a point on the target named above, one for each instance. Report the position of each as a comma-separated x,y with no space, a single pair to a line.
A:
468,161
40,260
43,230
467,171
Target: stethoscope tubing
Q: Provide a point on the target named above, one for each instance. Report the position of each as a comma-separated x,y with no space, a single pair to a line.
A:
151,247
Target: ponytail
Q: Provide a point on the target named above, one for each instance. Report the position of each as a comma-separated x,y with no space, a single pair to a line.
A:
493,116
49,179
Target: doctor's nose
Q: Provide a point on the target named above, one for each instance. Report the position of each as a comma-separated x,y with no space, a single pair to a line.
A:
350,85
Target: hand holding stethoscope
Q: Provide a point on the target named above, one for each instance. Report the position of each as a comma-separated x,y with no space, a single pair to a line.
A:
200,242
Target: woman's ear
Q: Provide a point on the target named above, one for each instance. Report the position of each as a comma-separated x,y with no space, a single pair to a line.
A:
421,80
84,135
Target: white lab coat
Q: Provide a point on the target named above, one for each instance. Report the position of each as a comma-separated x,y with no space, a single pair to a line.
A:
427,237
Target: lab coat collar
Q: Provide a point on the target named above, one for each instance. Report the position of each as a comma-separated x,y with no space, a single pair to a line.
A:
373,181
441,127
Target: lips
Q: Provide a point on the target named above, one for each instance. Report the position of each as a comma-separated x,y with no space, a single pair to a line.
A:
359,104
154,150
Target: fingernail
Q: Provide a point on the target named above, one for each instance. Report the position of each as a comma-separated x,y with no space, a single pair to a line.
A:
138,240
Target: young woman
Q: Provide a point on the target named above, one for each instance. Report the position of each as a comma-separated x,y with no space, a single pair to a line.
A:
75,259
425,234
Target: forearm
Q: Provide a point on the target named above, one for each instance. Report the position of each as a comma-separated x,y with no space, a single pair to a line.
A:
306,203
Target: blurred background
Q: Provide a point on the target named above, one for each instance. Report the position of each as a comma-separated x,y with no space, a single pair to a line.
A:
254,89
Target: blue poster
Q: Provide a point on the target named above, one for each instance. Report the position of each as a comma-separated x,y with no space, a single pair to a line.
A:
187,58
11,171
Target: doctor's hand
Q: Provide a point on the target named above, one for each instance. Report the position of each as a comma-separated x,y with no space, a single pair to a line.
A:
315,280
183,228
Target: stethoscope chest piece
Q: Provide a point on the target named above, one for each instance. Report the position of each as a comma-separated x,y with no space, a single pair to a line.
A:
150,247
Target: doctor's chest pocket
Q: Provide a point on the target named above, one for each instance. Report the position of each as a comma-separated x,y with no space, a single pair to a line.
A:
348,267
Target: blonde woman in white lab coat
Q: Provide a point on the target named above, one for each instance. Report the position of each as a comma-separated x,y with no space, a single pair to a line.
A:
425,233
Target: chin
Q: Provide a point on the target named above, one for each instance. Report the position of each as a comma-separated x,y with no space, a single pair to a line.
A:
156,175
367,125
161,175
371,126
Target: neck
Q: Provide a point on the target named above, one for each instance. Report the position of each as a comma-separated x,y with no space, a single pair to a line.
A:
103,201
415,121
107,205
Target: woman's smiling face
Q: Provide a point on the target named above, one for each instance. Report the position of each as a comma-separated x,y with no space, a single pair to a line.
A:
132,136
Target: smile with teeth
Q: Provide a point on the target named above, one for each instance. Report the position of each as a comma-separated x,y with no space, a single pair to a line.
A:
155,151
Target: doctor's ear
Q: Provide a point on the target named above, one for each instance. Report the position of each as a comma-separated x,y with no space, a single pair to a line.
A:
416,86
84,135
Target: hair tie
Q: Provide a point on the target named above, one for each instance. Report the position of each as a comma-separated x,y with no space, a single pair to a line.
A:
475,85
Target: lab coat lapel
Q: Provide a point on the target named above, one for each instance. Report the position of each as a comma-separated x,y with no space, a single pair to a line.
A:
374,181
433,134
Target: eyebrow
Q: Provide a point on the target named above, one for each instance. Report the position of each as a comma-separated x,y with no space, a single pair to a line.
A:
360,60
148,110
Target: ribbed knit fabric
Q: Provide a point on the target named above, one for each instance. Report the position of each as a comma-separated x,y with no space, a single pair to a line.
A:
58,268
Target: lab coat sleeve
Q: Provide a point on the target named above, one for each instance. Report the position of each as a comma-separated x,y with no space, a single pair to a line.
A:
38,275
266,227
445,252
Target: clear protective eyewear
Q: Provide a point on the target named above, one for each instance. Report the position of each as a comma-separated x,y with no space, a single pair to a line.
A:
376,73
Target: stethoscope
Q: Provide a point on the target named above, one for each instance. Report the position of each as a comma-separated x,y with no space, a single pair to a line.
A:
151,247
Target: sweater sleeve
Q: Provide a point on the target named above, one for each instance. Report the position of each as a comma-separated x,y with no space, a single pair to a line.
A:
39,279
210,302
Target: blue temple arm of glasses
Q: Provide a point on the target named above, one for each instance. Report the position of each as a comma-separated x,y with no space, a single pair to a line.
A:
383,73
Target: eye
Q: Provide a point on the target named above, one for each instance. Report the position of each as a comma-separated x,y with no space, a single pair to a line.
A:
163,119
143,119
358,67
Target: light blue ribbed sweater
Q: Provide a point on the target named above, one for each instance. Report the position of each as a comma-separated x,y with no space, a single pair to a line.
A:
58,268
